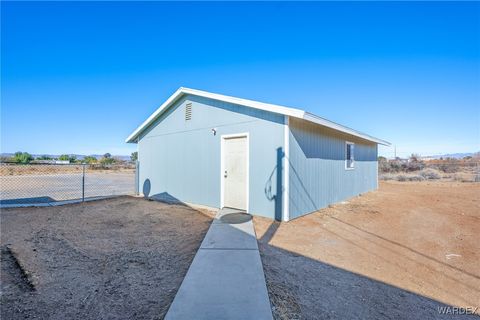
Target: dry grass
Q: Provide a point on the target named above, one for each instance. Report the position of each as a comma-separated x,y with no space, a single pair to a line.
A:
430,174
20,170
413,169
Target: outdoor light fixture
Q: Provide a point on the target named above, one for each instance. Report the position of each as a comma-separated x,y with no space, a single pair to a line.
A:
214,130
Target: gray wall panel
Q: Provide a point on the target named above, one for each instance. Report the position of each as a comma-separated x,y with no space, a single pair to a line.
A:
317,167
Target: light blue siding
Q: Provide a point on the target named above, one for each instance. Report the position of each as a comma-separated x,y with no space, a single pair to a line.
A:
181,159
317,167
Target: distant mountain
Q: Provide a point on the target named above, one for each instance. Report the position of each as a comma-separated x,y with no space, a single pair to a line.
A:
451,155
79,156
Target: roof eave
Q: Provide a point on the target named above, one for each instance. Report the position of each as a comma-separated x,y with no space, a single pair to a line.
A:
135,134
338,127
287,111
244,102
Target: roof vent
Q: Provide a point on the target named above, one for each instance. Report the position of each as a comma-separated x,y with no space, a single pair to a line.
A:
188,111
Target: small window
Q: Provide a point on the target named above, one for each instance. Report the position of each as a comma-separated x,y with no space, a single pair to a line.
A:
188,111
349,155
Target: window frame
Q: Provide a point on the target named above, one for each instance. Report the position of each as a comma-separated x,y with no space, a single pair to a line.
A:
352,155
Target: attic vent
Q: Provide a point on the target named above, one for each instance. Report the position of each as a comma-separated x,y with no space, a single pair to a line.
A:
188,111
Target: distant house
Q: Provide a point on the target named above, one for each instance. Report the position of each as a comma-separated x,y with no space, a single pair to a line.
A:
50,162
273,161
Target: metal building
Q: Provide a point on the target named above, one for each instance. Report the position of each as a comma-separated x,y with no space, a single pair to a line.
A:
220,151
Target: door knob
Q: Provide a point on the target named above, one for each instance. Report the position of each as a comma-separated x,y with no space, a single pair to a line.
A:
225,174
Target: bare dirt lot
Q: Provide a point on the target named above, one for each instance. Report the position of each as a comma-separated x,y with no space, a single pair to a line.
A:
401,252
121,258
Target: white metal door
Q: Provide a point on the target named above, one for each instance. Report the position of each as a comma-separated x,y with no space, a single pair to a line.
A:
235,172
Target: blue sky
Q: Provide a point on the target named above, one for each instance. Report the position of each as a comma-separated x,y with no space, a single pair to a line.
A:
79,77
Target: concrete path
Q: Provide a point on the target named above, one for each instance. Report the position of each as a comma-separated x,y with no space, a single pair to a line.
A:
225,280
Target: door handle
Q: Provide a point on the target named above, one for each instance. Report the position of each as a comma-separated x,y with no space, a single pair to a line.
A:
225,174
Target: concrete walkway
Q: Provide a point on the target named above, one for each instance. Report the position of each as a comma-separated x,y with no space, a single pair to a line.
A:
225,280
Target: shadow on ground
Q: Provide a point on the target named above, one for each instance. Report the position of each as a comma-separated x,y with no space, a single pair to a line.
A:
303,288
32,200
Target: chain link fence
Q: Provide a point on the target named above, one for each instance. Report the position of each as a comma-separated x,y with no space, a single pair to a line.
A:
49,183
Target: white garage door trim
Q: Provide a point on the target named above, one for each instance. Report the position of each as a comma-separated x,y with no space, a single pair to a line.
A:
222,167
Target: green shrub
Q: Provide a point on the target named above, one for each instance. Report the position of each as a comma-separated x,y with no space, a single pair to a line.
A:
67,157
22,157
90,159
107,161
134,156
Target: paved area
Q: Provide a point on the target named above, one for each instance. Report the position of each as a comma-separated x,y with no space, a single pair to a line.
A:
225,279
49,188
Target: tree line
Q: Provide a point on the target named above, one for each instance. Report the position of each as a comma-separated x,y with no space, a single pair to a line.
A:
107,159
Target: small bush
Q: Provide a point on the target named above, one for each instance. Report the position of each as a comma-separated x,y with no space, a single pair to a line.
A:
106,162
416,178
430,174
414,166
402,177
384,166
463,177
386,177
448,167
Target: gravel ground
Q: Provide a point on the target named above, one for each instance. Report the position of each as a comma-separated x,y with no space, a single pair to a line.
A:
121,258
401,252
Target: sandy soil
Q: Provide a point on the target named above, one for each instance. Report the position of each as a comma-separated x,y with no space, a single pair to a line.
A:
400,252
122,258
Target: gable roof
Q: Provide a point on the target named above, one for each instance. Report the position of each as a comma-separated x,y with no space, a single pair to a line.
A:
291,112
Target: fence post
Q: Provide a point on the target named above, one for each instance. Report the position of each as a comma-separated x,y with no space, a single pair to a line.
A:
83,184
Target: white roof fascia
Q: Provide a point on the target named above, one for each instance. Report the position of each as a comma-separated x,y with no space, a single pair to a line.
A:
244,102
248,103
292,112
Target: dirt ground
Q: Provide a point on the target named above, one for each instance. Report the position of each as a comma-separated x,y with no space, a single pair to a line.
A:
401,252
121,258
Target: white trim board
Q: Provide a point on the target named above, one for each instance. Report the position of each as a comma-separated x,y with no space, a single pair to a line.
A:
287,111
286,171
222,167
